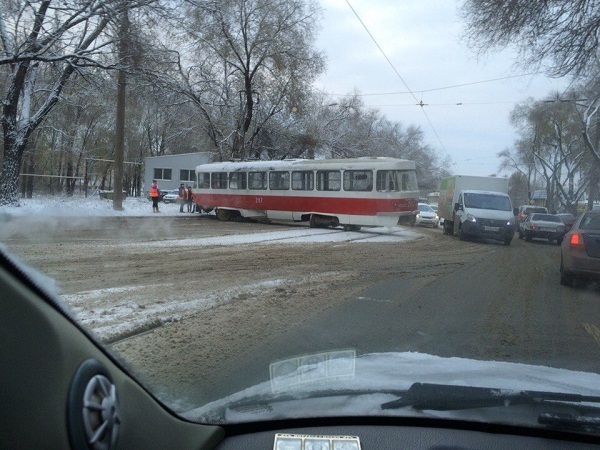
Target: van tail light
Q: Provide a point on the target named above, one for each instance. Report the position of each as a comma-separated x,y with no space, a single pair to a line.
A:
577,240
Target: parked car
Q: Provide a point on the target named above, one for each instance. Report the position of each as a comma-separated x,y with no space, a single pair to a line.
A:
171,196
544,226
525,210
567,219
426,216
580,250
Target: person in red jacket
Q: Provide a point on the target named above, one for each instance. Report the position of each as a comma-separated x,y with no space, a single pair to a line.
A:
181,197
154,195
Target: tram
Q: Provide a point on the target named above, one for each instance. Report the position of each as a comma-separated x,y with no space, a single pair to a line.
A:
370,191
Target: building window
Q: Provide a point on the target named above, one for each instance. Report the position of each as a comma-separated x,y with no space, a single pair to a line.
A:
329,180
358,180
279,181
218,180
303,180
162,174
257,180
186,175
237,180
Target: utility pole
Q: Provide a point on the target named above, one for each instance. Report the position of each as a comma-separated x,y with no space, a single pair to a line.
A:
121,93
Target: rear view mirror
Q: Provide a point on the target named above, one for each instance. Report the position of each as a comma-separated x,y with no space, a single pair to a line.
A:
515,211
456,206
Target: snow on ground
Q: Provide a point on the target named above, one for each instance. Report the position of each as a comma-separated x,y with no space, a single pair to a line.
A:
132,310
78,206
140,207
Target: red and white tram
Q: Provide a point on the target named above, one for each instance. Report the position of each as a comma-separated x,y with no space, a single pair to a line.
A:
350,192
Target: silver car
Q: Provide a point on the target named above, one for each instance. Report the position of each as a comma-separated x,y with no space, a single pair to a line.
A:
542,226
580,250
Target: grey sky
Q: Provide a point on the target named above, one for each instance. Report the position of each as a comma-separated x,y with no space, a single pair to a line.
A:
422,40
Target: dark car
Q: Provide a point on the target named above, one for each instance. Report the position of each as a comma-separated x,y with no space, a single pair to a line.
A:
580,250
567,219
542,226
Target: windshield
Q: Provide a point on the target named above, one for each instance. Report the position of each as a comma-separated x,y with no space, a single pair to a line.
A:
487,201
297,266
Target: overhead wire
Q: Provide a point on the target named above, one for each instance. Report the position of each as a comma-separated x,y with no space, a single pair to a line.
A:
472,83
399,76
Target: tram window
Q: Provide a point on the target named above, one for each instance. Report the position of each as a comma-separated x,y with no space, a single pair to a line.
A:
358,180
396,180
218,180
203,180
303,180
257,180
408,180
237,180
386,180
329,180
279,180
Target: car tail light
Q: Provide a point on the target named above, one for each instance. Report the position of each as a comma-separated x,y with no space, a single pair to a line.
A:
534,227
577,240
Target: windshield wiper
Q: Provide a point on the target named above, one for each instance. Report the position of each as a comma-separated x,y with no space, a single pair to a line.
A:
442,397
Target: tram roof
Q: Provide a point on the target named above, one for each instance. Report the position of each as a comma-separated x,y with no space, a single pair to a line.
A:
311,164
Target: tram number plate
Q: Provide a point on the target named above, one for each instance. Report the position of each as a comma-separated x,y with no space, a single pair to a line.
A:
495,229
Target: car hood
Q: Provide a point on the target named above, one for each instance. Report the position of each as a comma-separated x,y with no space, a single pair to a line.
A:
374,379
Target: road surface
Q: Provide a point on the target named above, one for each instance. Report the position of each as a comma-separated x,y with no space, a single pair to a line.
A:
221,300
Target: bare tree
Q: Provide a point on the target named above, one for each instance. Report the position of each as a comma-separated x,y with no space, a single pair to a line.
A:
562,36
257,54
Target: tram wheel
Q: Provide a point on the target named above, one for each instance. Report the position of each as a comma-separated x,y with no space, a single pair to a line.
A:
223,214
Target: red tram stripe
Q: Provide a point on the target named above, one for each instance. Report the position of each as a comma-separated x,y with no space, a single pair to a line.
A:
330,205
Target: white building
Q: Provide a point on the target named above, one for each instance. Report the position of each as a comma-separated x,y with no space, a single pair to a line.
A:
172,170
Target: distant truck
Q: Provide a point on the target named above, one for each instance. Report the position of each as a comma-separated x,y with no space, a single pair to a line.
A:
476,207
433,198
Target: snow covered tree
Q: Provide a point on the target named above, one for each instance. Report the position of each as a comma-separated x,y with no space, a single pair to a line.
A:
43,43
252,58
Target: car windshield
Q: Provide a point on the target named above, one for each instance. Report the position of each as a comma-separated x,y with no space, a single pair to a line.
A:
487,201
302,281
545,218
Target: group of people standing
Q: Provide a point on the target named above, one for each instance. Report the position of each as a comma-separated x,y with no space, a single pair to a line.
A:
185,197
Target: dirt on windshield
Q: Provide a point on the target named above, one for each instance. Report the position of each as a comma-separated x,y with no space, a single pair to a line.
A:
147,290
